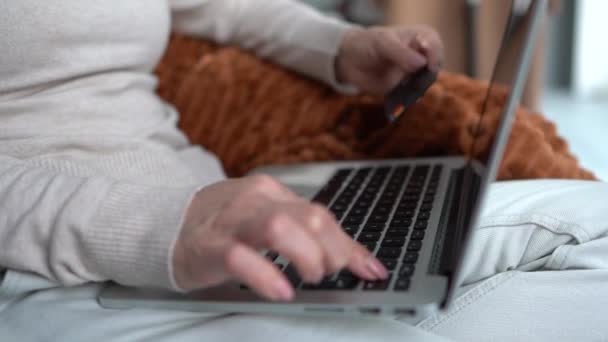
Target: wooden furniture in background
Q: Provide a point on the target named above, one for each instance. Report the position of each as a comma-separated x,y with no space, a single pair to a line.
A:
470,33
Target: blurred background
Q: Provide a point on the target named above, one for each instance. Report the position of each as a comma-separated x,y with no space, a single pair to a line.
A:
568,81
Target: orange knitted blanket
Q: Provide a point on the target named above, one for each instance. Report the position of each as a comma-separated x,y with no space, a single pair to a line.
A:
252,113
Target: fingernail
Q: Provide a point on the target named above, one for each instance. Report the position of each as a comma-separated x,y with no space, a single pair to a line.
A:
377,268
417,61
283,290
423,43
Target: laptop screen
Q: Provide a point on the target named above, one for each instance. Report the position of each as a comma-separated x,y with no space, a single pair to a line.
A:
494,127
499,98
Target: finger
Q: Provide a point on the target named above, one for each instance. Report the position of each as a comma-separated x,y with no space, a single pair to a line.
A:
258,273
429,44
364,264
323,228
383,82
390,80
392,49
269,186
338,248
286,236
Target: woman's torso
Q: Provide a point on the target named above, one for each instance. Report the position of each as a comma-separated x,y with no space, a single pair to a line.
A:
76,81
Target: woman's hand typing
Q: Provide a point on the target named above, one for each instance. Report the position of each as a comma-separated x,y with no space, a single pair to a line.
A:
229,222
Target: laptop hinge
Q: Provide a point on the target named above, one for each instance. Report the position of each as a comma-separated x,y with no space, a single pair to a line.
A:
455,219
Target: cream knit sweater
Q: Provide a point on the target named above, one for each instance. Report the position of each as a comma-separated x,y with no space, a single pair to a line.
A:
95,178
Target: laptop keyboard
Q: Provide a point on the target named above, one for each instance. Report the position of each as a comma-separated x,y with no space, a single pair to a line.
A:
386,209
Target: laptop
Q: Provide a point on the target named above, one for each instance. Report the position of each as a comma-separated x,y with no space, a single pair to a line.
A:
415,215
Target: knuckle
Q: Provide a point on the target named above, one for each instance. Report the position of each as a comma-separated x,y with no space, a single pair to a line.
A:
240,201
337,264
314,263
319,211
263,182
318,219
276,225
231,259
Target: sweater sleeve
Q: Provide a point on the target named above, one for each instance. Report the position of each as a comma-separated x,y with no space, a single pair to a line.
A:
285,31
73,230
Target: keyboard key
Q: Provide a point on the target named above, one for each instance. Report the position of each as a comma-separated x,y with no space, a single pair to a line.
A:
346,283
322,198
414,246
377,285
421,225
343,200
377,218
373,186
271,255
410,198
389,252
349,193
363,204
365,170
367,196
358,212
373,227
353,220
390,264
390,202
341,174
328,284
351,230
292,275
407,205
390,194
392,186
412,193
371,246
338,214
404,214
378,179
307,286
356,181
346,273
424,215
400,223
428,211
368,237
402,284
351,188
407,270
410,257
382,210
417,235
426,207
393,242
397,232
338,207
422,169
383,170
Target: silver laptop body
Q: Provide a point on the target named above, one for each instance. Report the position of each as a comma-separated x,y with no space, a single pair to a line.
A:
450,189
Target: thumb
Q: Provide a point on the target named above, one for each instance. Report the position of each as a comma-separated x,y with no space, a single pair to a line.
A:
405,57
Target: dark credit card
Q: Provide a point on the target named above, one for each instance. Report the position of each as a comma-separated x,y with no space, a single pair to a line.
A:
407,92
